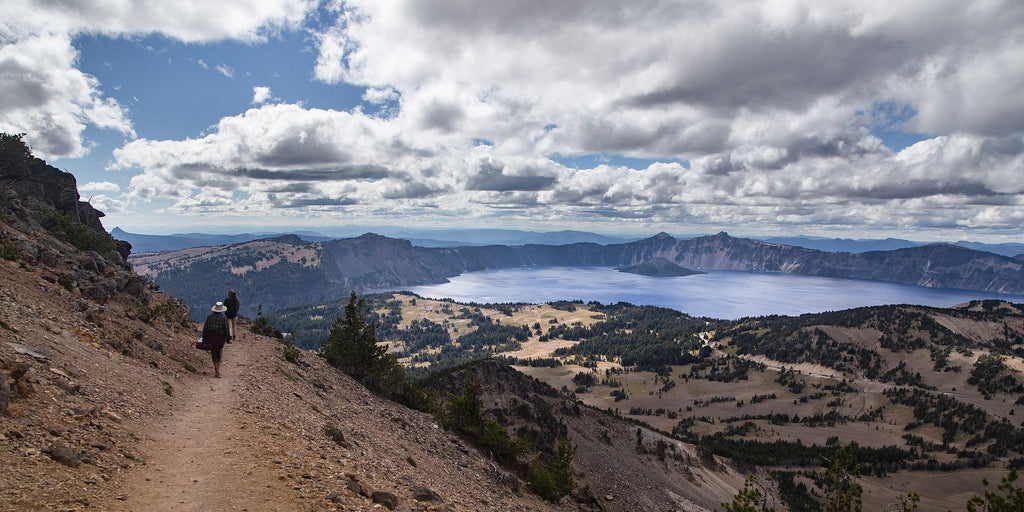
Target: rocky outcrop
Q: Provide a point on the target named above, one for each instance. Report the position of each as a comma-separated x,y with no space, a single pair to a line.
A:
29,184
46,224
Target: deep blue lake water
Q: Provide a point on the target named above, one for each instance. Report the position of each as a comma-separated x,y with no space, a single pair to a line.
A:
724,294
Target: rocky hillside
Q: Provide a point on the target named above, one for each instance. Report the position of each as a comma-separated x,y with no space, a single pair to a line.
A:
105,404
609,452
106,411
268,271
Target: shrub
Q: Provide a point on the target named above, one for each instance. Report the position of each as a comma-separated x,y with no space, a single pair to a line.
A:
66,282
465,414
291,352
70,230
166,310
261,325
552,479
8,251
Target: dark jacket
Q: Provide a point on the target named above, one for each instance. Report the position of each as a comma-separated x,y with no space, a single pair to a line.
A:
232,304
215,331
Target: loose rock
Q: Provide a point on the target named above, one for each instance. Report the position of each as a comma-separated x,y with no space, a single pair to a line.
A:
64,454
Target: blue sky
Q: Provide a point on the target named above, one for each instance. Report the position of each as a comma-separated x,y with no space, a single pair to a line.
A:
861,119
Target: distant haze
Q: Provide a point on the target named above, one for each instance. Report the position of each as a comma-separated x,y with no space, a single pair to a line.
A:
455,237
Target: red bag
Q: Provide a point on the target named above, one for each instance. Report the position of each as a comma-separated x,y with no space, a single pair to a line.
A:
211,341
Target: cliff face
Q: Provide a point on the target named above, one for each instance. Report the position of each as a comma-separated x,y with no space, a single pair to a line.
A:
937,265
46,224
29,183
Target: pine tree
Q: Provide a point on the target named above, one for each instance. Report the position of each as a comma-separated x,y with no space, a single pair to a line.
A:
842,491
352,345
1012,499
748,499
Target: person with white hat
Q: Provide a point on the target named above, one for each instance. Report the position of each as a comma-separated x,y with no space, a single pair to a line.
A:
215,333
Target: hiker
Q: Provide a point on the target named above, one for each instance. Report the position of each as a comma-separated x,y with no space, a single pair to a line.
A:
232,304
215,333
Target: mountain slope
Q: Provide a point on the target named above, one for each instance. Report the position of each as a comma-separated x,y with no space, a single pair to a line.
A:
106,405
610,453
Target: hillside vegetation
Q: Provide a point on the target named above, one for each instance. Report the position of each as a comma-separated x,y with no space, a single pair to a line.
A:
927,396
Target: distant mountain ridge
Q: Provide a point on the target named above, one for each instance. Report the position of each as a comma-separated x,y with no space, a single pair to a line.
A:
419,237
162,243
888,244
287,271
480,237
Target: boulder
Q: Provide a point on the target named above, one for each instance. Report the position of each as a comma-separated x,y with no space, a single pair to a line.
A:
426,495
64,454
385,498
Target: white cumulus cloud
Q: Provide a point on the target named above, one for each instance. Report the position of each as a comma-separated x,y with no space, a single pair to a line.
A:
261,94
47,97
750,113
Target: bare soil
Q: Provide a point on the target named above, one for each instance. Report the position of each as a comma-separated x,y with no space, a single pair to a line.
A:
200,456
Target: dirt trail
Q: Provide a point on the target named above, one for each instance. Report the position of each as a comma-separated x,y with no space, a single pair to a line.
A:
200,456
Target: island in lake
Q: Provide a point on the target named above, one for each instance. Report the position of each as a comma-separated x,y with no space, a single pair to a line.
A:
659,267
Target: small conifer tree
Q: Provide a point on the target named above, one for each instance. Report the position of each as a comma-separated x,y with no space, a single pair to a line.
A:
842,490
748,499
352,344
553,479
1011,499
352,348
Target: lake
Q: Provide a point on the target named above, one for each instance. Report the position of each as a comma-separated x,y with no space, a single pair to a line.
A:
723,294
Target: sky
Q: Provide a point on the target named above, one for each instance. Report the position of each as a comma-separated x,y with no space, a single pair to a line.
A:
851,119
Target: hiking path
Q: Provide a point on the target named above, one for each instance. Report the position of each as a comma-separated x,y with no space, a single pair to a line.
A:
201,456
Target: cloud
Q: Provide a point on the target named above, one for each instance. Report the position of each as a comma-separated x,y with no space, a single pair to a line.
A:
752,113
225,70
261,95
44,96
98,186
620,78
47,97
379,96
265,150
296,158
190,22
491,177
